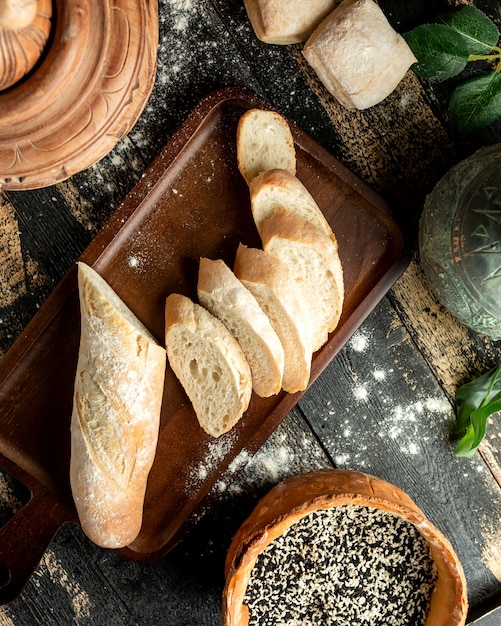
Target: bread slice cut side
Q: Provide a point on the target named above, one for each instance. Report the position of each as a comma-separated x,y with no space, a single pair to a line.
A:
264,142
221,293
313,261
117,400
270,282
277,188
208,362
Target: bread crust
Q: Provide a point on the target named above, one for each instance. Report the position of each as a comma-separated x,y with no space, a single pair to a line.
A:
278,188
298,496
357,55
286,21
285,231
116,413
264,142
221,293
269,280
194,337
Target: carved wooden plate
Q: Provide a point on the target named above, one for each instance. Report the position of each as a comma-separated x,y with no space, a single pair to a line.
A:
87,92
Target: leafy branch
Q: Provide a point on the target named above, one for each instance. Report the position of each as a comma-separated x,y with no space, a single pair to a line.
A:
444,48
476,401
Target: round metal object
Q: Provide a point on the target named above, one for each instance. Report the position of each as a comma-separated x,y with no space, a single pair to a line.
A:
460,241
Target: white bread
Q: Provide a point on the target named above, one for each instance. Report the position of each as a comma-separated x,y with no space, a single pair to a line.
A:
221,293
116,412
209,363
269,280
357,55
314,263
275,189
286,21
264,142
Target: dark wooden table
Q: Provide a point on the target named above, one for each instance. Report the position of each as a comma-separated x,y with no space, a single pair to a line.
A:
385,403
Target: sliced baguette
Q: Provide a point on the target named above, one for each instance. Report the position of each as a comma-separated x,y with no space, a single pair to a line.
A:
221,293
264,142
313,261
268,279
277,188
117,399
208,362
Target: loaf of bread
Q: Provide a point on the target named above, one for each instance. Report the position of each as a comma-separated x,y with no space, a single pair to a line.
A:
221,293
313,261
209,363
264,142
118,393
269,280
286,21
276,189
357,55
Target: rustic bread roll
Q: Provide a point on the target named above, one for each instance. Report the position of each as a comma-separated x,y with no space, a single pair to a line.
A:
313,262
221,293
275,189
286,21
357,55
116,411
209,363
264,142
269,280
283,508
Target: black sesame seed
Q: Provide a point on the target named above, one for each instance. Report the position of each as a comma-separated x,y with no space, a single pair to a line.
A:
345,566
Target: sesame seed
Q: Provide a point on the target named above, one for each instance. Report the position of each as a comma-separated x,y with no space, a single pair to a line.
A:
345,566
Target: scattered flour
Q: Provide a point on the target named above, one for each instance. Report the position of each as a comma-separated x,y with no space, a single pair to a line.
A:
82,605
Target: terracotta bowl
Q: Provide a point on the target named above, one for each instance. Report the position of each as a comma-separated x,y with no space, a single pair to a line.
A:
289,505
91,83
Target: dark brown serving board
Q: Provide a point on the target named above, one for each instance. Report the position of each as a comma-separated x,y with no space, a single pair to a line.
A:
191,202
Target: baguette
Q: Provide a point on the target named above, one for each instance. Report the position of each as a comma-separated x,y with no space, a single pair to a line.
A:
357,55
221,293
268,279
116,412
208,362
314,263
286,21
264,142
275,189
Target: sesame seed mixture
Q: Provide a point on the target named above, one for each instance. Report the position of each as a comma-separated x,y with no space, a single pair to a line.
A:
344,566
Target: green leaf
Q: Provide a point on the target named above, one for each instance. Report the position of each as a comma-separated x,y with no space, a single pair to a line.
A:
479,31
441,52
476,103
476,401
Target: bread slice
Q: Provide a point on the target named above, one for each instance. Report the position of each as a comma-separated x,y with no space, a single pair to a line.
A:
209,363
286,21
277,188
268,279
314,263
221,293
264,142
117,399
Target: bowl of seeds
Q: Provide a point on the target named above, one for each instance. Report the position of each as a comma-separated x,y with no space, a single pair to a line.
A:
344,548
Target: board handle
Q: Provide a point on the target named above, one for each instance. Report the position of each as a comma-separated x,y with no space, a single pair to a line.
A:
27,534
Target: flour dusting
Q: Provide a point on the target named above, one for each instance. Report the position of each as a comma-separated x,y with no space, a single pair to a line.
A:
80,601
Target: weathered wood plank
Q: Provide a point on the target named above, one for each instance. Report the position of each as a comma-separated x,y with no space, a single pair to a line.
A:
454,353
85,585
